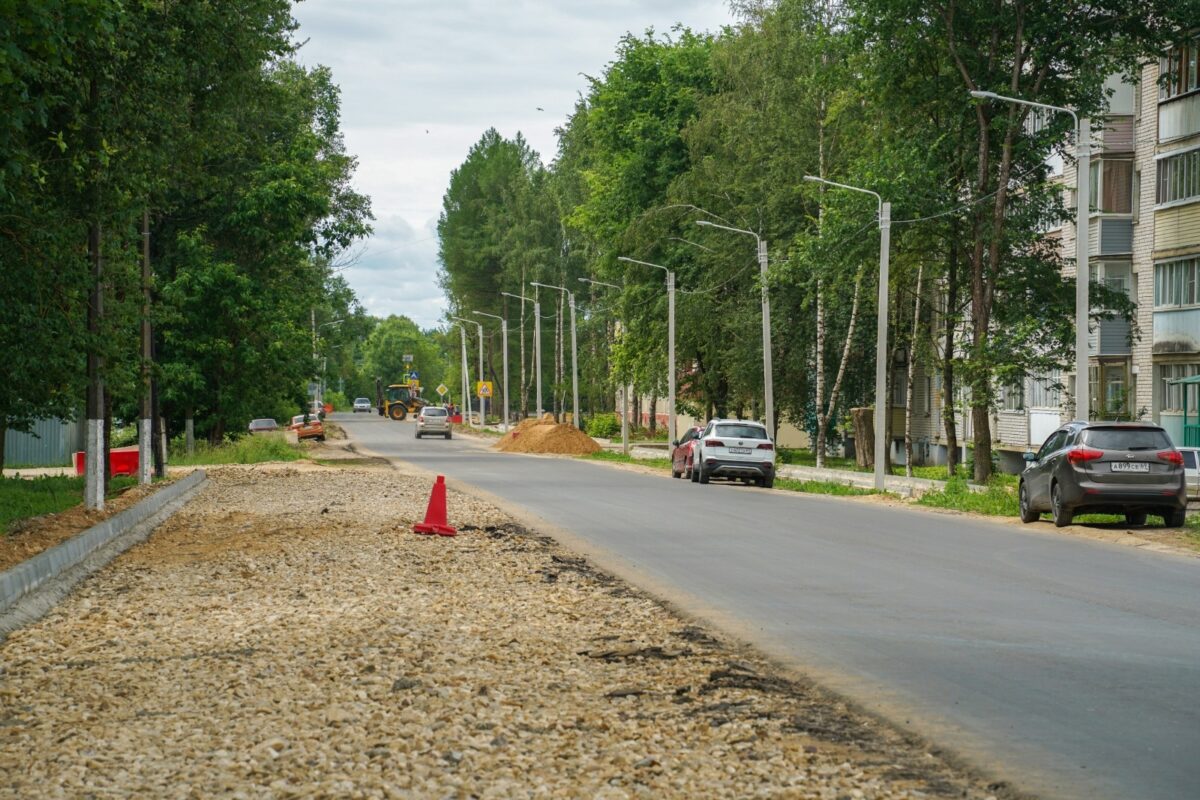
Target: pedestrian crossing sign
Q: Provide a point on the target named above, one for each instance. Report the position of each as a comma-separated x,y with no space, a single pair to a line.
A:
483,388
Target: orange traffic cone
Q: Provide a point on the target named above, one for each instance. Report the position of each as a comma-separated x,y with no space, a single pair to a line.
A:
435,514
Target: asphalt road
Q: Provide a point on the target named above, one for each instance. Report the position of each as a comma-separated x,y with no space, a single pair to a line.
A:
1068,667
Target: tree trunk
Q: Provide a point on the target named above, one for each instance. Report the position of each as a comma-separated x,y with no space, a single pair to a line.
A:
824,417
908,391
652,423
948,356
864,436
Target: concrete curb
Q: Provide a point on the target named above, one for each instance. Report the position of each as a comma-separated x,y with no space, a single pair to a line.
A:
30,589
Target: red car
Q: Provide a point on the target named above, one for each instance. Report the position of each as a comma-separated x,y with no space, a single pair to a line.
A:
681,453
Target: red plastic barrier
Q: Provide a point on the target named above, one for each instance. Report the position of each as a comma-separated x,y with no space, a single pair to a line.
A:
121,461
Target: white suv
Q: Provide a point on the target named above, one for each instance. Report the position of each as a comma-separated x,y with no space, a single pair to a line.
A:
734,448
433,419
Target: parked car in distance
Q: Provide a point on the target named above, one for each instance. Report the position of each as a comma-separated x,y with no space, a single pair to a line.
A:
433,419
264,425
1191,472
362,404
735,449
312,429
1105,468
681,453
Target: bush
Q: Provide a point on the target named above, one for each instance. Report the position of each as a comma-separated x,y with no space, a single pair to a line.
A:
606,426
337,400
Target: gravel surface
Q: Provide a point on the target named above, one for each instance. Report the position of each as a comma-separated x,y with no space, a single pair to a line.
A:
286,635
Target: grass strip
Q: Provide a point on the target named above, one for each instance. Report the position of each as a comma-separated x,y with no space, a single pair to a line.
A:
822,487
621,458
246,450
21,498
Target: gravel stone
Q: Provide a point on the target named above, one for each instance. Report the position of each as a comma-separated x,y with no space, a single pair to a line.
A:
287,635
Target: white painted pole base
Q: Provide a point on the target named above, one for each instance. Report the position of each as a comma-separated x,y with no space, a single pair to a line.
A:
145,457
93,484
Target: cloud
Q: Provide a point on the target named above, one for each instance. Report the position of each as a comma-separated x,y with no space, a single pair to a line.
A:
422,81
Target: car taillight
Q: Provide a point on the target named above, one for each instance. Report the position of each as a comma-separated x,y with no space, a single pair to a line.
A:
767,446
715,443
1174,456
1080,455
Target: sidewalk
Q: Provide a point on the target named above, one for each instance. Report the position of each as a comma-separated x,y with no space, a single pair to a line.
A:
898,484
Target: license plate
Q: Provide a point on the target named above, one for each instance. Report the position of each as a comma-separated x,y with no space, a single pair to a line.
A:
741,451
1130,466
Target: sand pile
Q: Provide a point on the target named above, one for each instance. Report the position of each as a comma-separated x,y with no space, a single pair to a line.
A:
547,436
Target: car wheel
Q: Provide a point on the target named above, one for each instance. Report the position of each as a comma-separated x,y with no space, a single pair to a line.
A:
1062,515
674,472
704,476
447,434
768,482
1175,519
1027,513
694,474
1135,519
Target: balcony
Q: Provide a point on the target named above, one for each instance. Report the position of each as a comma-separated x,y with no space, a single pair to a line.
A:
1114,135
1110,236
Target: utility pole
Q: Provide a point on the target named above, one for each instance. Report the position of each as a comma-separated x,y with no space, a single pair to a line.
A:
146,426
574,351
93,493
504,347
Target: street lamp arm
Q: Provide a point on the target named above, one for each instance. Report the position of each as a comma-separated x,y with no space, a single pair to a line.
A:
708,224
520,297
815,179
643,263
600,283
979,95
485,314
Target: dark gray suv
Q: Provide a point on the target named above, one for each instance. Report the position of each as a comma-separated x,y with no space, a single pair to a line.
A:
1105,468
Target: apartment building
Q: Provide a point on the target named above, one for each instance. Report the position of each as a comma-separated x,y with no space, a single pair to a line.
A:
1144,240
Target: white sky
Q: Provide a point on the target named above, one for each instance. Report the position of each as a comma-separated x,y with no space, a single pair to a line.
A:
421,82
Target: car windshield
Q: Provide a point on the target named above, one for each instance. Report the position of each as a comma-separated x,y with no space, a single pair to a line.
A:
434,412
740,431
362,401
1126,438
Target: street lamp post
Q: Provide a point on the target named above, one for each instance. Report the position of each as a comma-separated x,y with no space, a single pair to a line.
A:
462,329
624,386
1083,192
537,345
504,345
574,350
670,340
482,400
768,379
881,361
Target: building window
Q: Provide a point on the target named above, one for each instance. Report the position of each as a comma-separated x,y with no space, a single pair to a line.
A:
1112,187
899,388
1178,71
1013,398
1046,391
1178,178
1177,283
1172,394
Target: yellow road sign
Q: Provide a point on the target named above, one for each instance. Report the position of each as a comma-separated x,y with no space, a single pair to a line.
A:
483,388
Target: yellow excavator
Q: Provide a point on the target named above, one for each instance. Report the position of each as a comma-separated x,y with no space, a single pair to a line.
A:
399,399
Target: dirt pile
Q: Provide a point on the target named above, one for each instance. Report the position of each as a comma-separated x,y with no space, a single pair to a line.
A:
547,436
